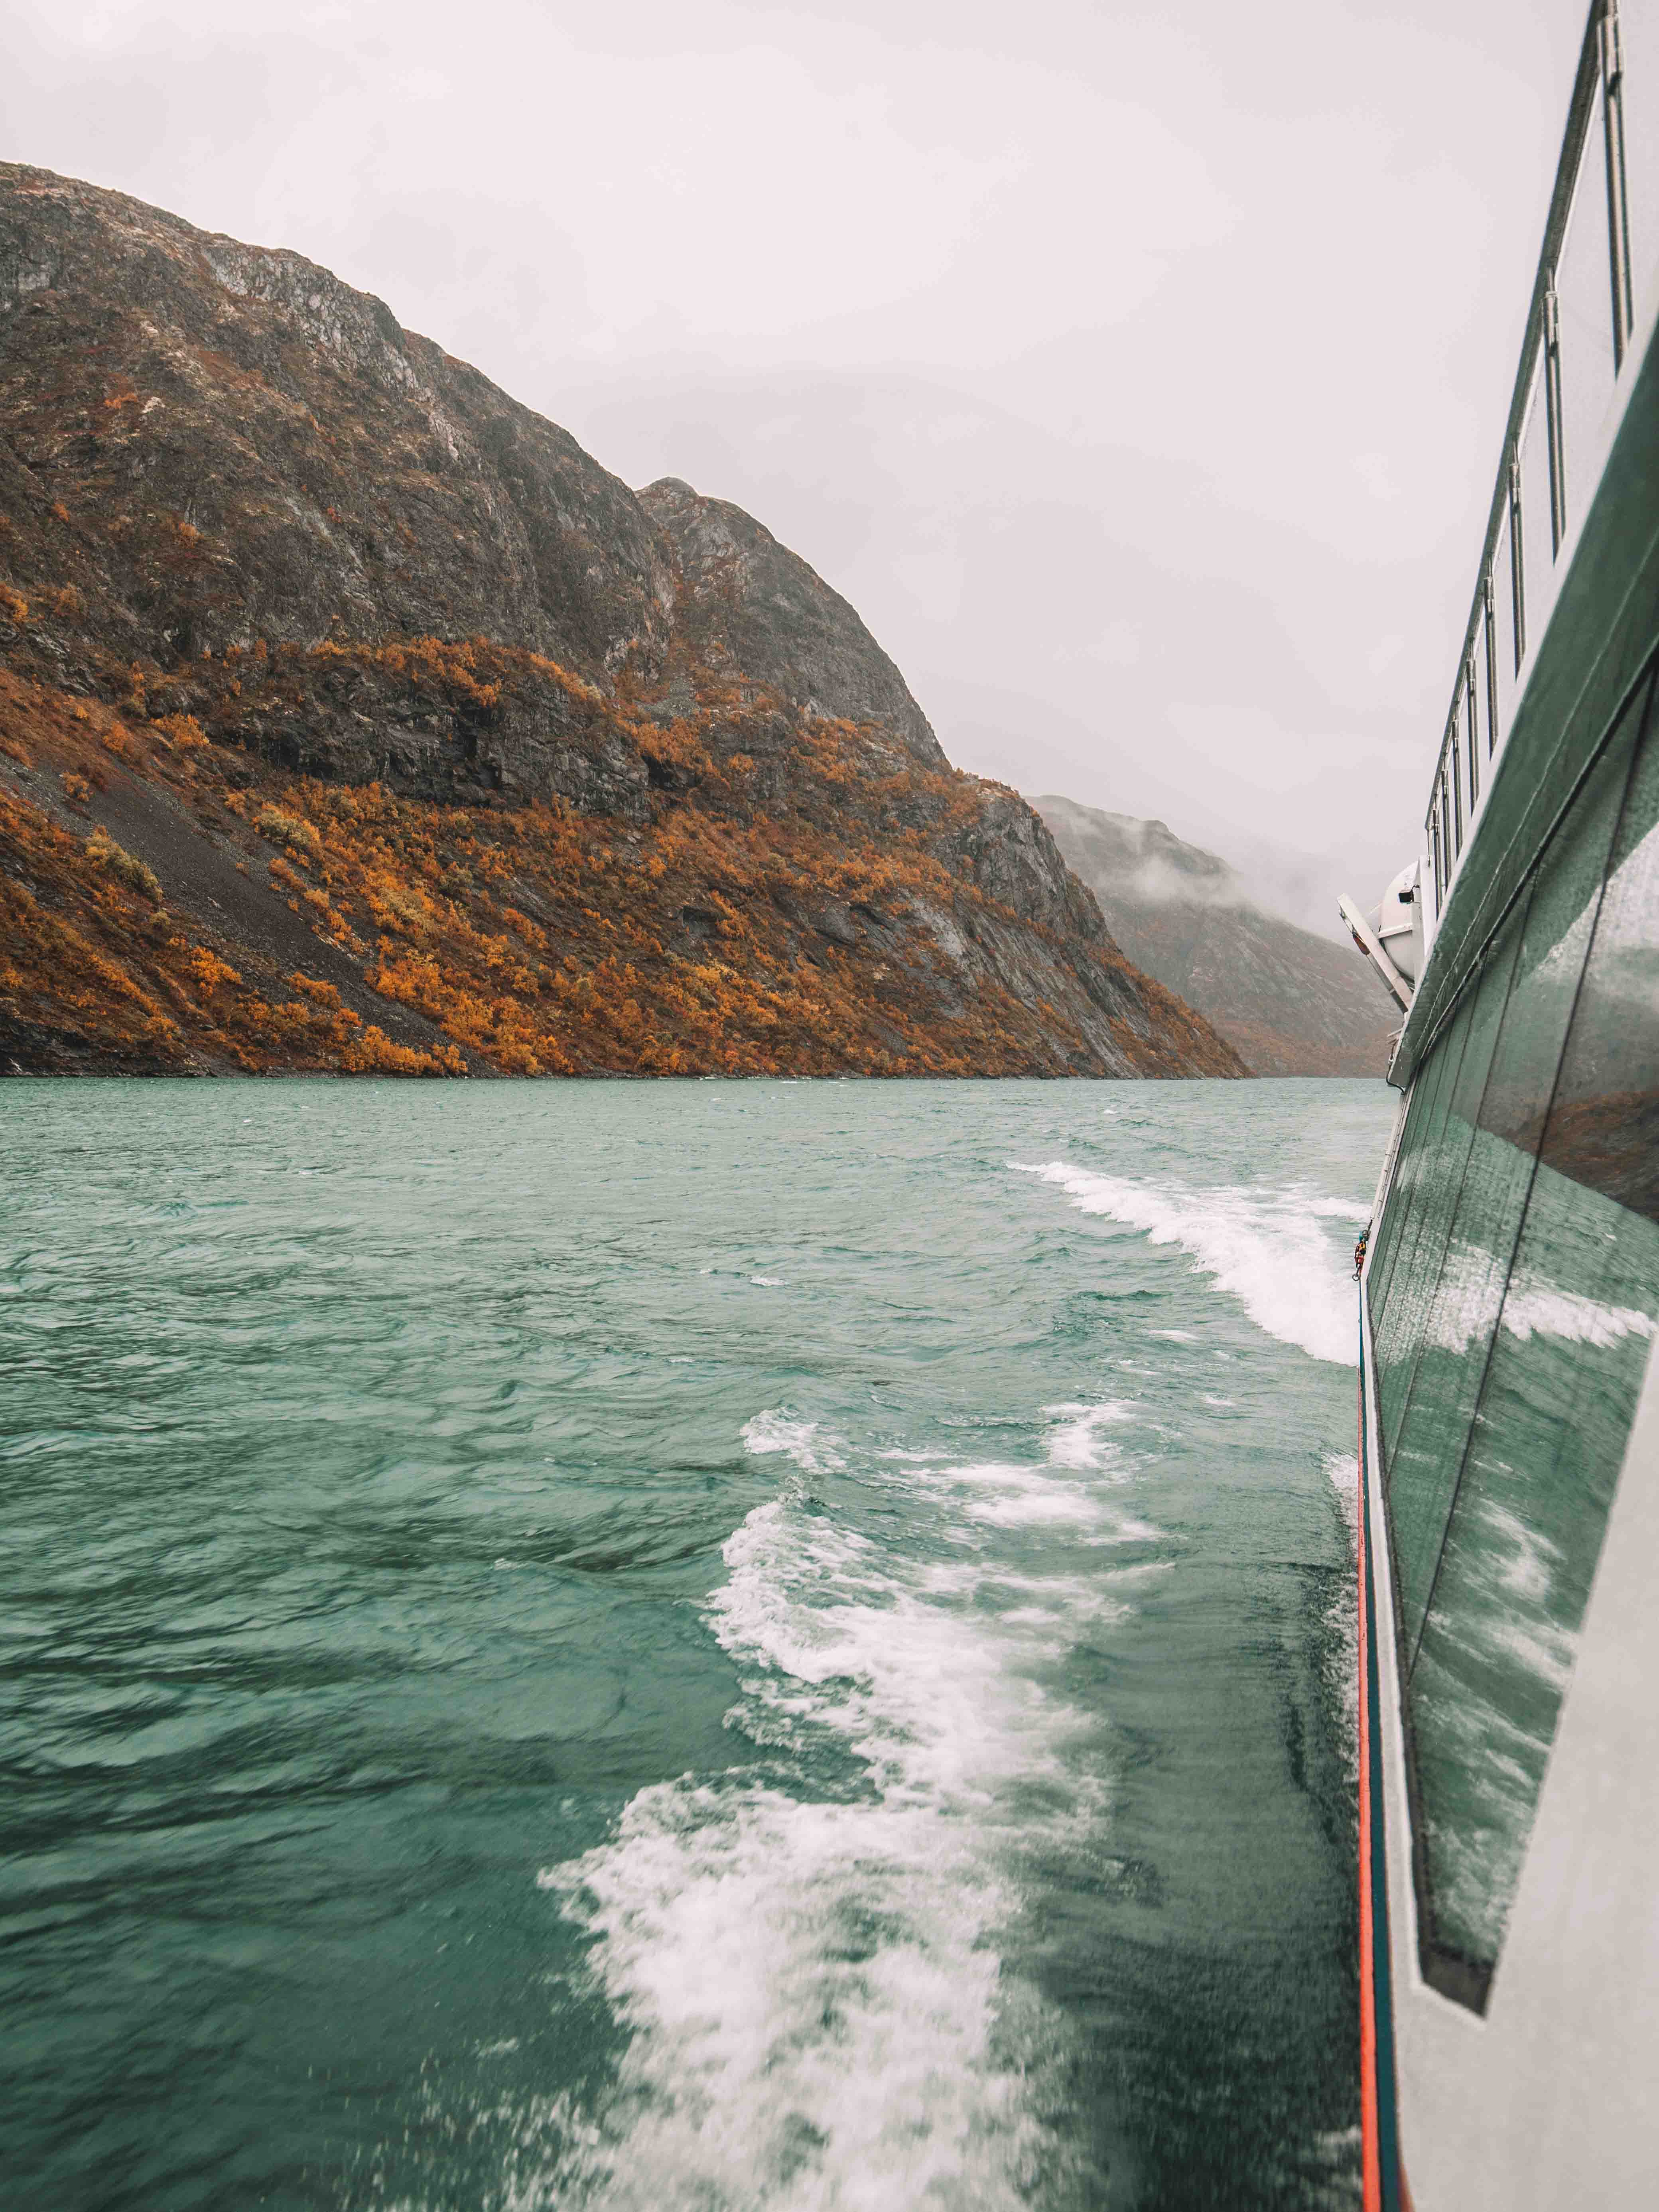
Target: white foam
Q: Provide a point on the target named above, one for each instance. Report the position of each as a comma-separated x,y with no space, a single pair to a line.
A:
1342,1618
1143,1570
1077,1441
1050,1496
1267,1247
1023,1496
1125,1529
1034,1507
819,2011
1055,1496
1342,1472
917,1685
775,1431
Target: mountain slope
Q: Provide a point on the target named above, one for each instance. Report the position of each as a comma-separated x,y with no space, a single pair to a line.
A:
353,716
741,596
1289,1003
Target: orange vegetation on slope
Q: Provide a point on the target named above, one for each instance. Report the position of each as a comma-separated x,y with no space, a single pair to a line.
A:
527,939
89,953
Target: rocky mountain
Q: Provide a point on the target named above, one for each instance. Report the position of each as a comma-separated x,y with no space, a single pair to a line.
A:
353,717
740,596
1288,1002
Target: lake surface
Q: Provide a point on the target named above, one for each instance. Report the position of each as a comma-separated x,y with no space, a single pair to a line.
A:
685,1645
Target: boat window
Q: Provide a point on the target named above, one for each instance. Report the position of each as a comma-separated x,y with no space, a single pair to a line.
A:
1603,1127
1461,1270
1522,1302
1395,1317
1396,1217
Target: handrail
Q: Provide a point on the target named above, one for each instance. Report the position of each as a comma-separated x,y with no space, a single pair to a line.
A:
1474,723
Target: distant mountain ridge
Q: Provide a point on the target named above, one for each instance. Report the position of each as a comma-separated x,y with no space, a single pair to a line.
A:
1289,1003
353,717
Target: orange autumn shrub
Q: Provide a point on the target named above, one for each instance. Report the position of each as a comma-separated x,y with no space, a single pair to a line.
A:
104,853
207,970
183,731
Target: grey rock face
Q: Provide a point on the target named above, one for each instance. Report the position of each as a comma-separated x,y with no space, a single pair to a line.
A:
744,600
338,474
1010,854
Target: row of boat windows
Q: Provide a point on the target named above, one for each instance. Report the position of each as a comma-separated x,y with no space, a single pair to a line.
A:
1514,1298
1603,267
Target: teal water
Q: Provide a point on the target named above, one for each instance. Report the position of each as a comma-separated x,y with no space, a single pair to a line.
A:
684,1645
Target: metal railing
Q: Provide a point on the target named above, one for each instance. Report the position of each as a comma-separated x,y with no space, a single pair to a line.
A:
1600,251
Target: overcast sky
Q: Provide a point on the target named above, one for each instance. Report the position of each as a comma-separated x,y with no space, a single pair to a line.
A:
1138,373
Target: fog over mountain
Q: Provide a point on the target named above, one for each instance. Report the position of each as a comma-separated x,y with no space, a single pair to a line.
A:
1289,1002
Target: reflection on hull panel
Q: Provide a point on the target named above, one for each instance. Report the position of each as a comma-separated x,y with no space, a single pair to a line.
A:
1510,1300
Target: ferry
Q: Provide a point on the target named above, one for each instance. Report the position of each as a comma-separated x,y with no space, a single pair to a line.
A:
1509,1284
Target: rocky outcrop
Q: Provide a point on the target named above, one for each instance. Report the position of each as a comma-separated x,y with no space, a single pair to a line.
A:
243,447
746,602
1289,1002
335,645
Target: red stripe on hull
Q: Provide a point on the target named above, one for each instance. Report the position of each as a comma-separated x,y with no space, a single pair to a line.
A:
1371,2165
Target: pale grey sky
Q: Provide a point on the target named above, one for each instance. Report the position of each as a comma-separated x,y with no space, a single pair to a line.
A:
1138,373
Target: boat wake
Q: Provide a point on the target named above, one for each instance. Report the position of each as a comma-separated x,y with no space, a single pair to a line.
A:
809,1957
1271,1249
